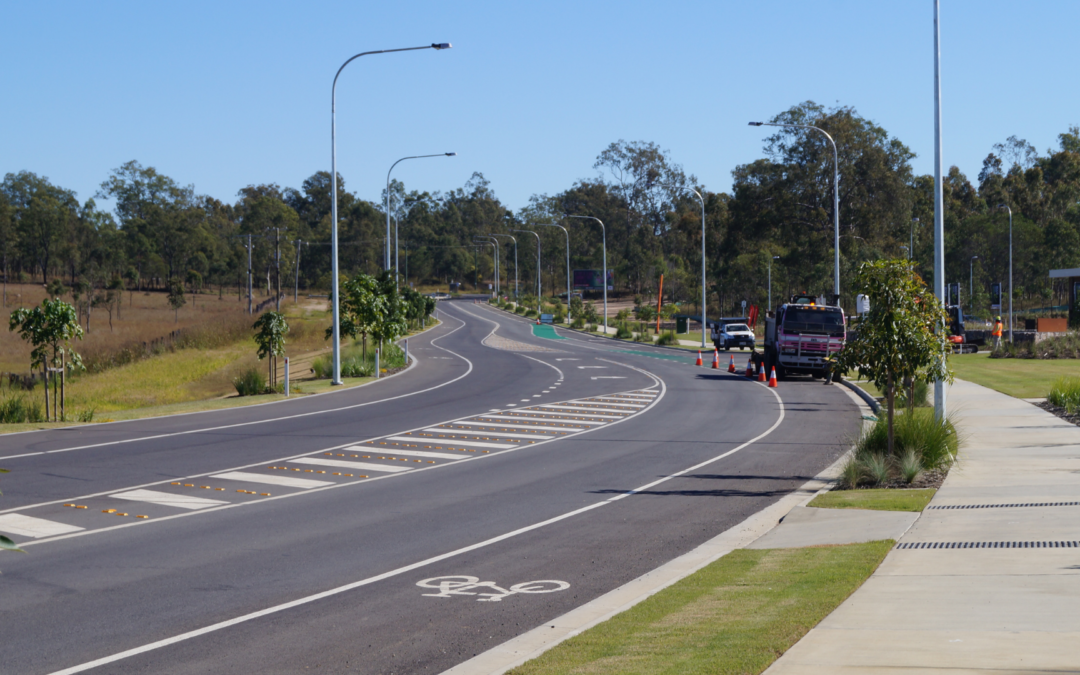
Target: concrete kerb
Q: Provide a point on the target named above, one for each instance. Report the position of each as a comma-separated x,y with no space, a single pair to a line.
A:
532,644
864,395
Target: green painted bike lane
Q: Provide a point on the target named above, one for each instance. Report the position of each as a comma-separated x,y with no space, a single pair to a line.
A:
548,332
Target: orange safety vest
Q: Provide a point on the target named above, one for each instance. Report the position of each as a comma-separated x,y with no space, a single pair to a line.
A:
998,327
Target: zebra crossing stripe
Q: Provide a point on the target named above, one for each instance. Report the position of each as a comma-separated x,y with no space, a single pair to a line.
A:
168,499
453,441
285,481
346,464
28,526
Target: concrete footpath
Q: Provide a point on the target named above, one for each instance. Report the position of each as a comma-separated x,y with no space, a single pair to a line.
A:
988,578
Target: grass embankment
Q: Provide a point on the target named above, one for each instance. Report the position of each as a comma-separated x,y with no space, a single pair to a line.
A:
1022,378
875,500
737,615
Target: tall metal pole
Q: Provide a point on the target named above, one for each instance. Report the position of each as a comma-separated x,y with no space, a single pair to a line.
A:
836,194
336,376
538,293
775,257
1006,207
702,200
971,277
603,231
515,262
248,273
296,280
495,246
567,265
387,256
277,269
940,408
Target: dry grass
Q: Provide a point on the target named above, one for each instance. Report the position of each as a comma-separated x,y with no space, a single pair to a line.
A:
143,317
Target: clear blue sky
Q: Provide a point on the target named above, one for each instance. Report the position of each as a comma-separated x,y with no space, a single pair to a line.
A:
226,94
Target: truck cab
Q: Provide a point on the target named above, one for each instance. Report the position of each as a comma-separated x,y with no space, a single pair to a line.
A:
803,336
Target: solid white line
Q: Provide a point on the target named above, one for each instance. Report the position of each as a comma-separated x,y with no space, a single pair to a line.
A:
274,419
168,499
540,419
452,441
343,464
498,425
500,434
28,526
409,453
286,481
620,405
408,568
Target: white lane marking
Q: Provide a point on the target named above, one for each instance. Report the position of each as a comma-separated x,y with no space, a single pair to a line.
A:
618,405
584,367
608,377
500,425
511,405
567,359
452,441
536,395
409,453
540,419
286,481
587,407
450,586
577,414
343,464
500,434
275,419
409,568
28,526
168,499
524,400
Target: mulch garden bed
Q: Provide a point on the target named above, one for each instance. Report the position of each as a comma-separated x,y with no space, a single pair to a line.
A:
1060,412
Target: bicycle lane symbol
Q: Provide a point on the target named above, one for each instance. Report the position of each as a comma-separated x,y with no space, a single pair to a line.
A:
450,586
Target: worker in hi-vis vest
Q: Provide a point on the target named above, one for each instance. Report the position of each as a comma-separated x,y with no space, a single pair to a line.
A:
998,328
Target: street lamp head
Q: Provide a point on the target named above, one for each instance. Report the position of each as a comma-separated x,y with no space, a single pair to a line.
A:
974,257
451,154
776,257
441,45
756,124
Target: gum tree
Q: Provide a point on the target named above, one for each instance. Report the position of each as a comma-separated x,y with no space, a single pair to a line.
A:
902,337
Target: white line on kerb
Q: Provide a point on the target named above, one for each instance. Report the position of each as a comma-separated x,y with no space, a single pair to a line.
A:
417,565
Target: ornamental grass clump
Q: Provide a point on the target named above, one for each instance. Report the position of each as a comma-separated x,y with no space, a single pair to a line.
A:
667,338
921,443
250,383
1066,394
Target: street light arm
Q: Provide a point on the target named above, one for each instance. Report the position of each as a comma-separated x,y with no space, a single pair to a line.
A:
703,292
603,231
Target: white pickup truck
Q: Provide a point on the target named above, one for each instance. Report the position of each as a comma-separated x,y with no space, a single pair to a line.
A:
728,335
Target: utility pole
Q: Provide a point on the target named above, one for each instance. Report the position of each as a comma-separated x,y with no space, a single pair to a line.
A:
277,269
249,272
296,282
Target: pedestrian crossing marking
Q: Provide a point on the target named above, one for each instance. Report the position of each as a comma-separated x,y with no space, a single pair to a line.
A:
348,464
168,499
286,481
28,526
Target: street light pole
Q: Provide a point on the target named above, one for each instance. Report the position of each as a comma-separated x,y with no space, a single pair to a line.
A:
537,266
387,255
940,408
495,245
702,200
516,283
971,277
1006,207
836,196
603,231
336,332
296,280
567,266
775,257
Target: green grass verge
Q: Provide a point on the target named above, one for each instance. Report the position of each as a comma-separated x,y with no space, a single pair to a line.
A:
876,500
737,615
1022,378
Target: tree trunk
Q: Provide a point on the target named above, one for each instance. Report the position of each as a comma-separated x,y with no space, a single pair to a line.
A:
891,395
45,371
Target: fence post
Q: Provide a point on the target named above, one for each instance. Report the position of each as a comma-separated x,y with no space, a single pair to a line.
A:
376,363
286,377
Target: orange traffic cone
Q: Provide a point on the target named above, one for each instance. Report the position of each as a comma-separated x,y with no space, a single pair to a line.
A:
772,378
716,360
761,372
750,367
698,362
731,364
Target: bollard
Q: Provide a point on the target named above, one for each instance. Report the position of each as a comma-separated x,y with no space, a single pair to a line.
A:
376,363
406,351
286,377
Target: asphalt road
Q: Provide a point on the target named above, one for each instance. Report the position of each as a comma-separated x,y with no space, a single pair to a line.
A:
455,469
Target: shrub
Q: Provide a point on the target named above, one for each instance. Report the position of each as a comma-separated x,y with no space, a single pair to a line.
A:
921,395
851,474
667,338
932,445
578,323
1059,347
353,363
877,467
531,313
623,332
251,382
643,336
520,309
1066,394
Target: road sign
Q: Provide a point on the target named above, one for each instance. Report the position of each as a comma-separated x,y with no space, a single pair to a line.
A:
592,280
995,296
